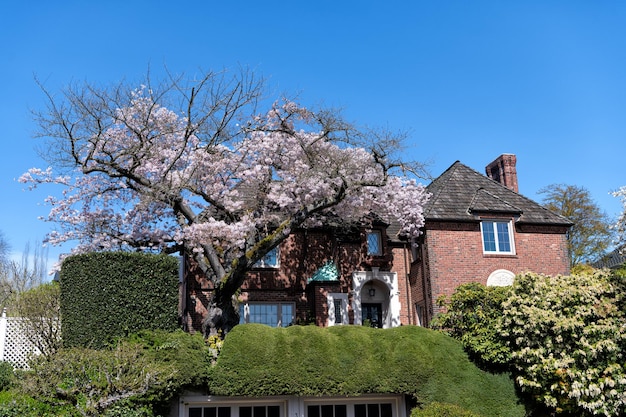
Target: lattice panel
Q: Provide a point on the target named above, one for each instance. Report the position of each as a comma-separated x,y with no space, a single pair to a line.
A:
17,348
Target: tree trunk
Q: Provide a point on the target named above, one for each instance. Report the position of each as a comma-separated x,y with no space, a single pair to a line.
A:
222,315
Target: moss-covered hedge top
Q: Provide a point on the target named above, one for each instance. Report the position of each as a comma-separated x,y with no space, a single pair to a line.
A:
352,360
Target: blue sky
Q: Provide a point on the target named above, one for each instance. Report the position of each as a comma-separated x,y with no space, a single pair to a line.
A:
469,80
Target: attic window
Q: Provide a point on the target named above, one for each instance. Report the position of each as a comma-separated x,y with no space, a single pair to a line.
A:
374,243
497,237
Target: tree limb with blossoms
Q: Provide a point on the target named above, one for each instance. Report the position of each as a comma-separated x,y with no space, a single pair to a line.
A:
194,167
620,225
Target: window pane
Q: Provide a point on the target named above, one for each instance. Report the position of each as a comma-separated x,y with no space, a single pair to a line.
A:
242,318
245,411
223,412
338,316
286,314
273,411
385,410
195,411
259,411
373,243
269,260
360,410
327,410
313,411
504,245
489,239
341,410
209,412
372,410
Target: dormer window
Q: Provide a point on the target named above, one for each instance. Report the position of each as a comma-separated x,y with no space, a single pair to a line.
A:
374,243
497,237
270,260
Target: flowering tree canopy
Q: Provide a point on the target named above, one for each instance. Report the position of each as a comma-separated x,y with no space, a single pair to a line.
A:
620,226
196,169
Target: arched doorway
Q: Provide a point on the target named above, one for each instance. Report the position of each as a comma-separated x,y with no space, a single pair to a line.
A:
384,298
374,304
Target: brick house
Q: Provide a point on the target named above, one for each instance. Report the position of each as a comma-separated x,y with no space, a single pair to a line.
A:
478,229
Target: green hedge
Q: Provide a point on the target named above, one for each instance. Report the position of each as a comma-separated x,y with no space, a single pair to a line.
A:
351,360
112,294
442,410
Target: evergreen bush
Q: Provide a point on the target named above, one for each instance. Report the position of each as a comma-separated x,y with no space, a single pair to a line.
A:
442,410
113,294
7,376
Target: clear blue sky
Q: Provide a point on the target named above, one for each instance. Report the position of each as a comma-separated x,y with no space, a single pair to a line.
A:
545,80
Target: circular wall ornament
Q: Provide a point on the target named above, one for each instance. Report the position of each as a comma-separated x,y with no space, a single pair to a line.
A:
500,278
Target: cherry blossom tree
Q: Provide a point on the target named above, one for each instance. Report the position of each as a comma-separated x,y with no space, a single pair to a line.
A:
193,167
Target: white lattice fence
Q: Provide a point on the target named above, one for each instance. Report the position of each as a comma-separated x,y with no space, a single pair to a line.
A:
15,347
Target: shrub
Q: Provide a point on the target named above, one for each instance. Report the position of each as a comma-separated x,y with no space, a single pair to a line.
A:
15,404
40,308
442,410
7,376
108,295
141,374
259,361
568,338
471,317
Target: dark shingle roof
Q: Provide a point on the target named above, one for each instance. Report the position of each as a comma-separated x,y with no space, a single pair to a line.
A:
615,259
461,192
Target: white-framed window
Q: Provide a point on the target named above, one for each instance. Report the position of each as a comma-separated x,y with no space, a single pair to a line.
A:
375,408
271,314
374,243
497,237
230,409
337,308
270,260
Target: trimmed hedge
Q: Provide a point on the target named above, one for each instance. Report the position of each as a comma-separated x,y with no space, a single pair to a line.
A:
112,294
260,361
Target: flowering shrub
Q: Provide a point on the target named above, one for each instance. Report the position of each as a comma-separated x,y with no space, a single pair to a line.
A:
215,343
567,335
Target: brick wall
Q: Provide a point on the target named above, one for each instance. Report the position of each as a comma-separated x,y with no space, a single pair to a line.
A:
453,255
300,255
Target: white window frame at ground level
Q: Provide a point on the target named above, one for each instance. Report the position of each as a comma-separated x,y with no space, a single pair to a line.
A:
192,403
245,315
491,226
295,405
333,300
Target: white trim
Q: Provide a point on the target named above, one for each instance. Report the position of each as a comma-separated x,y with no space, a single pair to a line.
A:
492,222
330,301
290,405
387,279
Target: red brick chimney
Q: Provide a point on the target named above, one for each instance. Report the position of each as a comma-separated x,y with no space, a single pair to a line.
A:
503,170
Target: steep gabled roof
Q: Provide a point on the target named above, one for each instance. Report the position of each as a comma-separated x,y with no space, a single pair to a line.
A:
461,192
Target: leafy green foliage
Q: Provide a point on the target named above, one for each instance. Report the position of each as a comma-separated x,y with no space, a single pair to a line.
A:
351,360
442,410
16,404
591,233
135,377
568,339
471,316
7,376
108,295
40,308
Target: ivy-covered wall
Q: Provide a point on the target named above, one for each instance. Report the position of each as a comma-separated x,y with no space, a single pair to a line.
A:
111,294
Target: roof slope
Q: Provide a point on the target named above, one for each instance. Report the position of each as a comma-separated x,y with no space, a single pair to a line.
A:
461,192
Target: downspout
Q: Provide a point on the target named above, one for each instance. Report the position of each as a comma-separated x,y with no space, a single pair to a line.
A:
407,283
